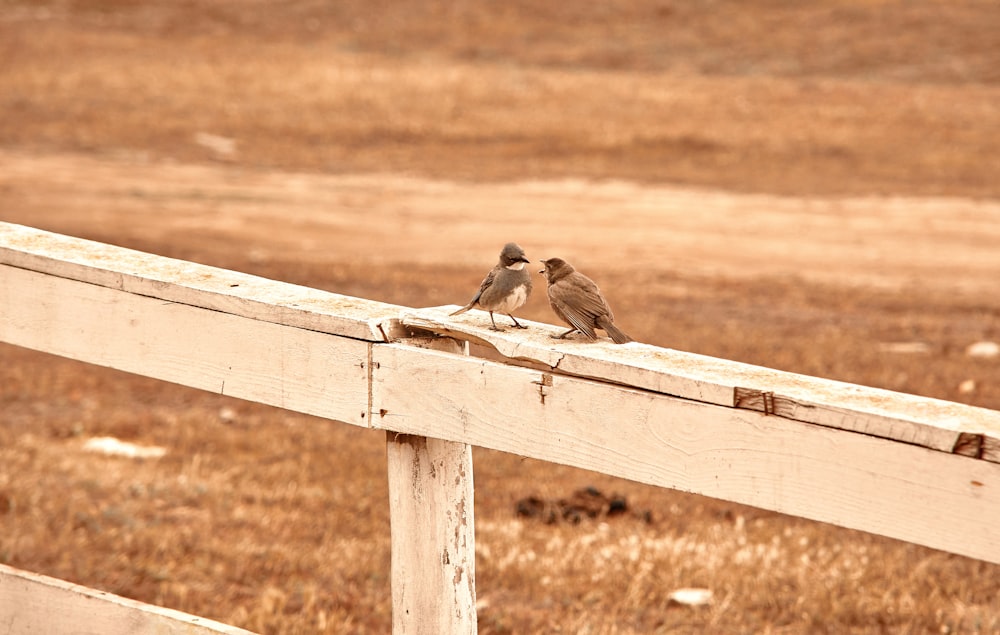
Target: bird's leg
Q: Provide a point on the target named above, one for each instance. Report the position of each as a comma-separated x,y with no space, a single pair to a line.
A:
517,324
494,327
562,336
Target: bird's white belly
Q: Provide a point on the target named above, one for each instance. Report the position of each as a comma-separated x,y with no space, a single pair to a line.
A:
515,300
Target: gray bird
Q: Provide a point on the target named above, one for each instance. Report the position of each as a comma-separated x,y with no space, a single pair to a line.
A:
505,288
578,302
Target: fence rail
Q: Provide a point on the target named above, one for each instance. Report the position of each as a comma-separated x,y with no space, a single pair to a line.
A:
922,470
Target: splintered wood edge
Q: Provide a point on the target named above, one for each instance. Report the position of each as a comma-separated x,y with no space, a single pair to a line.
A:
518,344
936,424
198,285
625,364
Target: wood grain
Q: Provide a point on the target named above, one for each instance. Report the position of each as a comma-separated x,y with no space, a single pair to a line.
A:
432,521
942,500
270,363
931,423
198,285
33,603
433,535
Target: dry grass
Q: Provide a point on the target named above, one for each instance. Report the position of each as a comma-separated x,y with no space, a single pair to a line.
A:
151,84
278,522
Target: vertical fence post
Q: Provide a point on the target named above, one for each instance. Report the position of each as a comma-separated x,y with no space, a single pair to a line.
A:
432,531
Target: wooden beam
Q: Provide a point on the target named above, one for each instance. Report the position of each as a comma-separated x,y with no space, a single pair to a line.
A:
33,603
432,520
932,423
942,500
197,285
433,535
270,363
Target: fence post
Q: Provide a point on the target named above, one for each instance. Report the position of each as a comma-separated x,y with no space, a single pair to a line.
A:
432,530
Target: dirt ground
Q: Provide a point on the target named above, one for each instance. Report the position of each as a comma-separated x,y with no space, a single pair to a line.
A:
809,187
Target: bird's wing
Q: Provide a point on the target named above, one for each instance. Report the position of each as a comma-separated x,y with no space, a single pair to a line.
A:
487,281
589,304
583,312
578,320
591,301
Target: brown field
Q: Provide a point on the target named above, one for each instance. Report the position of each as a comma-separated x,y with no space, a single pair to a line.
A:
794,185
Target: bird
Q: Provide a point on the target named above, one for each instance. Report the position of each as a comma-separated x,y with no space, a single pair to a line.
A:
505,288
578,302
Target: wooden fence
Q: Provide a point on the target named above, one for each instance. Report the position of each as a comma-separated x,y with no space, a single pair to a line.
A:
917,469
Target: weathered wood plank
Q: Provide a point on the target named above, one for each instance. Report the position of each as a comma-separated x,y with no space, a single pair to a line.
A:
270,363
432,522
433,535
942,500
31,603
936,424
931,423
195,284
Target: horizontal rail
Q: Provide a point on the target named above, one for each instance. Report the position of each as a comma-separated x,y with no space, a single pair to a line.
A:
827,474
33,603
933,423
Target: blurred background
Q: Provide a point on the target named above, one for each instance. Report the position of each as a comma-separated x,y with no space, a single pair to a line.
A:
813,187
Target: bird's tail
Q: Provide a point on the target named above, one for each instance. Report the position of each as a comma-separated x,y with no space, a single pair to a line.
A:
464,308
617,335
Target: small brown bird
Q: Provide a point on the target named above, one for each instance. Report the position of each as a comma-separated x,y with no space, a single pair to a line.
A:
578,302
505,288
